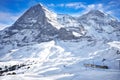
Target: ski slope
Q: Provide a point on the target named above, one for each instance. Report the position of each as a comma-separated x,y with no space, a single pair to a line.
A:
57,60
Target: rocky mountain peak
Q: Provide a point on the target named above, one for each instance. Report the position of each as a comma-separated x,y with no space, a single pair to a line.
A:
38,5
36,17
96,13
37,24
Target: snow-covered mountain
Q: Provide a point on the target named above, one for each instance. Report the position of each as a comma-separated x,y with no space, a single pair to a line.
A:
42,45
92,23
37,24
97,22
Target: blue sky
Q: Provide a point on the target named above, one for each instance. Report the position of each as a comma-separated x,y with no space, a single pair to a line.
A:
10,10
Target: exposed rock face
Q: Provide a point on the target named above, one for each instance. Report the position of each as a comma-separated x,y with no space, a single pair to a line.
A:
37,24
65,35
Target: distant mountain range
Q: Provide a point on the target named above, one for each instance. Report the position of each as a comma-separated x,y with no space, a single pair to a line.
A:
38,24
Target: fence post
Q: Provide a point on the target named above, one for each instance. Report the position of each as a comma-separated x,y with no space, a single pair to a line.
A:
118,63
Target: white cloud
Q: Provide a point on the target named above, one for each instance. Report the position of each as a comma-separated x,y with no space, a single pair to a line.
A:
75,5
51,5
3,26
94,7
110,12
78,5
61,5
108,8
7,19
7,16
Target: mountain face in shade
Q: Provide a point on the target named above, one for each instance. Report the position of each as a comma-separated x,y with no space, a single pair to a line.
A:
37,16
32,26
37,24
